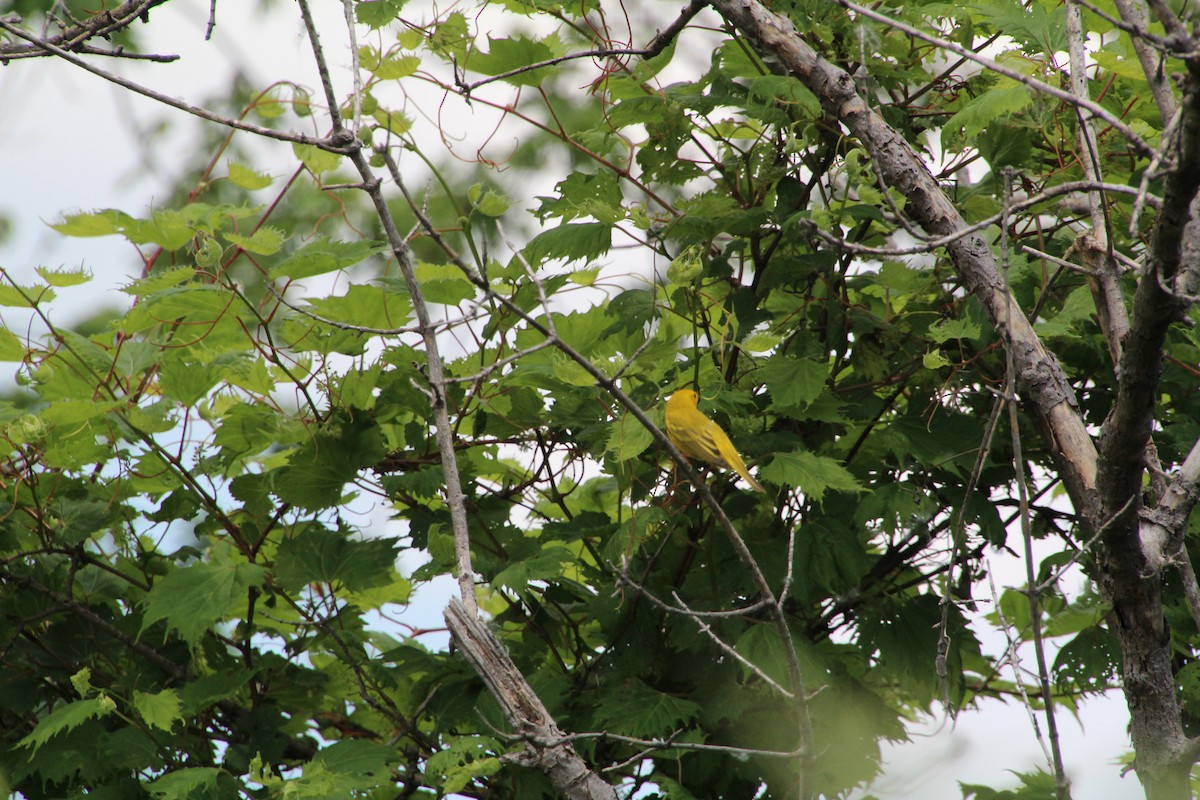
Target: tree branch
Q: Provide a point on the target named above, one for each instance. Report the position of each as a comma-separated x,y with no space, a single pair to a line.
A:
1041,379
550,751
1134,13
229,122
1098,111
73,37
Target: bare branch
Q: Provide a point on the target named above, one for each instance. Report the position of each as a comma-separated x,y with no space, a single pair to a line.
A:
1126,432
931,244
1104,277
553,754
731,651
333,144
1013,659
656,46
1134,13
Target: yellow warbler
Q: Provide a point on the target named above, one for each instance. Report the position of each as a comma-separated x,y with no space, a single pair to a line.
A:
697,436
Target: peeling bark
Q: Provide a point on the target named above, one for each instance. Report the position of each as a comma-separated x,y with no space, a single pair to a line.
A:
546,747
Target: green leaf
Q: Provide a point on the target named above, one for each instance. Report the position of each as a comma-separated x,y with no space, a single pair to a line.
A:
263,242
761,647
65,718
813,474
366,764
571,242
12,348
464,759
317,472
159,280
974,118
396,122
786,91
396,67
372,306
171,229
161,710
245,178
635,709
1031,24
316,159
82,682
64,277
488,202
194,598
1078,307
444,283
70,413
582,194
903,635
25,296
324,255
377,13
451,36
1091,662
186,783
207,690
513,53
546,564
94,223
585,277
318,555
934,360
794,383
628,438
955,329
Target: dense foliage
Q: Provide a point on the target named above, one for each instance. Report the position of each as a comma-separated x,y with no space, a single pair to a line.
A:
204,499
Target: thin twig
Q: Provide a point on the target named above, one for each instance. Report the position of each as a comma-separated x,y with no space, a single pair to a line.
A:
670,744
656,46
1012,658
1096,109
1165,142
212,20
959,536
1061,784
1137,17
332,145
89,50
730,650
355,72
930,244
778,618
1096,248
345,326
487,371
73,36
1082,551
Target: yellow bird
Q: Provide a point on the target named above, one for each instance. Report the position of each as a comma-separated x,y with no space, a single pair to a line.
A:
697,436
